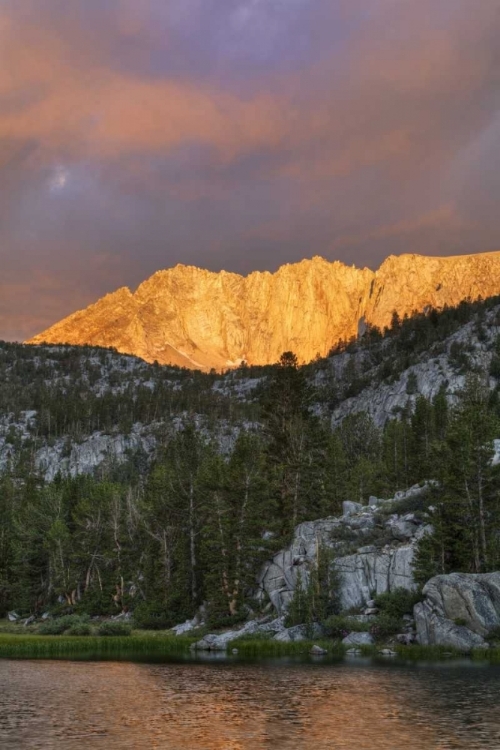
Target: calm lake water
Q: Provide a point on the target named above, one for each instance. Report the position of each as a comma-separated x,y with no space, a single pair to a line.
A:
282,705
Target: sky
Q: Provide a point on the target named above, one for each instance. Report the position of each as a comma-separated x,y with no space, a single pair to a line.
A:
238,134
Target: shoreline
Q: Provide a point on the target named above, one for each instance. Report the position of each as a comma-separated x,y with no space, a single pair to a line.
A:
142,646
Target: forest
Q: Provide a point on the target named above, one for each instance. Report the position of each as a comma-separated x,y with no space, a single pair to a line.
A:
193,526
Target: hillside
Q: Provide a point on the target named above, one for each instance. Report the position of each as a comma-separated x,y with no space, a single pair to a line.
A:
194,318
125,484
131,406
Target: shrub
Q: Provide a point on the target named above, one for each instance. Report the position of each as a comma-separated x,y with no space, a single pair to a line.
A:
494,635
345,539
385,625
152,617
218,620
458,357
392,607
417,504
460,621
397,603
115,628
61,610
82,628
60,625
338,626
97,604
379,536
320,598
495,367
411,384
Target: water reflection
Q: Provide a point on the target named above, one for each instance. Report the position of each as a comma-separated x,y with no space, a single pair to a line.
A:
224,706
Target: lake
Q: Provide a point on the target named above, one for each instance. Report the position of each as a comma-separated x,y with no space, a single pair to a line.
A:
231,705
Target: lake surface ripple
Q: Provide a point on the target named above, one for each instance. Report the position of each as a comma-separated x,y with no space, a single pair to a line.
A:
238,706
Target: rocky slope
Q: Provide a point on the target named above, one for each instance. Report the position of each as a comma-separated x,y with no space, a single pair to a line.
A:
192,317
445,364
94,397
373,556
387,380
459,610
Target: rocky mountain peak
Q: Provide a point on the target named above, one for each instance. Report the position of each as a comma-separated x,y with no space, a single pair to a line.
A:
201,319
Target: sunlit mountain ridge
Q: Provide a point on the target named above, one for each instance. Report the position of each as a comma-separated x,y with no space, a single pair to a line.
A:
200,319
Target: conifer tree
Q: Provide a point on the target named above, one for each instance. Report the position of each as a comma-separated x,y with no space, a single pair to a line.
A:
239,512
7,562
421,440
469,474
288,426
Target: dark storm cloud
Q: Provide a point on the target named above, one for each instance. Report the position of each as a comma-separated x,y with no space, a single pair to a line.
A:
237,134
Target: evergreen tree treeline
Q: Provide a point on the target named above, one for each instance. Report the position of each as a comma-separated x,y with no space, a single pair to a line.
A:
194,527
197,526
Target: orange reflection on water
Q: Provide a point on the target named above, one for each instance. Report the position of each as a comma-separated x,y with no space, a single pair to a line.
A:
224,706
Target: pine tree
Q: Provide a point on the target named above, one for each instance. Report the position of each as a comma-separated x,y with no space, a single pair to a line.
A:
7,561
362,449
173,521
239,512
288,425
421,441
469,474
466,500
395,449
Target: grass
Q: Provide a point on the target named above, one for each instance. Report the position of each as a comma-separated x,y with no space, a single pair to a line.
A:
15,628
492,655
144,645
436,653
258,647
99,647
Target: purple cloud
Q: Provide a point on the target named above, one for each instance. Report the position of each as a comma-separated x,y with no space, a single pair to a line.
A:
239,134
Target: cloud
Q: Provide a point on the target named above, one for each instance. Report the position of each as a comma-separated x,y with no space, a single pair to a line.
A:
401,80
445,217
98,112
239,134
37,296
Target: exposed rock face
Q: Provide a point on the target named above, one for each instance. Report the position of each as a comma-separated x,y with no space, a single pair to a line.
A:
220,641
370,569
295,633
192,317
85,457
496,457
376,571
459,609
358,639
274,629
436,368
318,651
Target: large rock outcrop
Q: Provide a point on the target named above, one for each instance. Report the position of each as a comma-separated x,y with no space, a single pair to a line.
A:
73,459
192,317
458,610
435,369
380,561
274,628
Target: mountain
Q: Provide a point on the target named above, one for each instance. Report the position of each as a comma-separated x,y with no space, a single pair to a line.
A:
198,319
71,409
126,485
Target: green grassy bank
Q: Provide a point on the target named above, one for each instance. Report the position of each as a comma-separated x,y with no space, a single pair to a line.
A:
270,648
144,646
135,646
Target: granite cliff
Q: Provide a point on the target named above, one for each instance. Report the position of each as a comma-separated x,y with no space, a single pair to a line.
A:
195,318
